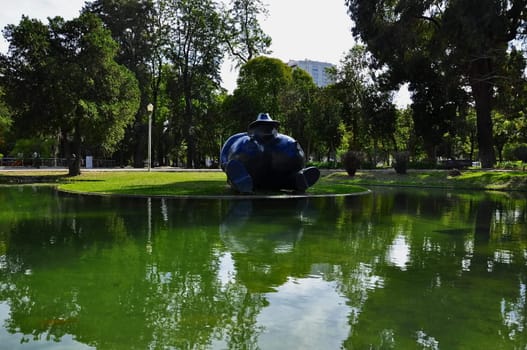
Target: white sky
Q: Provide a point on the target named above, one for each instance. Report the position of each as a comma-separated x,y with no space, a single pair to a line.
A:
306,29
300,29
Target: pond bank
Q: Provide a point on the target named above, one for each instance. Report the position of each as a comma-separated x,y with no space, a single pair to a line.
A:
187,182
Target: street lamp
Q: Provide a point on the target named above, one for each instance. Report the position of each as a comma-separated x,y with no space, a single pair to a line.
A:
150,109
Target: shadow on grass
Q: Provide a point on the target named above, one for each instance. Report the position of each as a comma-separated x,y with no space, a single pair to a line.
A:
32,179
82,180
181,188
216,188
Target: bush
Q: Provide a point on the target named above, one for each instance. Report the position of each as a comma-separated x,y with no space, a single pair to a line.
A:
509,165
351,161
324,165
400,162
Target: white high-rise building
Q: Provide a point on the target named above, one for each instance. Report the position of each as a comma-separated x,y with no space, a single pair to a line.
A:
316,69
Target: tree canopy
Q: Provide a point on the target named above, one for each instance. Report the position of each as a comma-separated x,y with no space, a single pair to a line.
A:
244,37
466,39
63,82
62,79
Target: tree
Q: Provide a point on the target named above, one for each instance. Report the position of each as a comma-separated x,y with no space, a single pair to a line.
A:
348,87
369,115
511,102
261,84
405,137
62,78
193,46
325,129
297,106
134,25
467,37
244,37
437,105
5,124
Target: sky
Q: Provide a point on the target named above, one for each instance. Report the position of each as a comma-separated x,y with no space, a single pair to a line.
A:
300,29
307,29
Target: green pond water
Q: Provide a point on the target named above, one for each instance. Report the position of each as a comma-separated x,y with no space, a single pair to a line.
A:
395,269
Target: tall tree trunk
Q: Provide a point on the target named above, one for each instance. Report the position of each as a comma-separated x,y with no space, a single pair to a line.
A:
188,132
74,157
139,130
482,92
430,150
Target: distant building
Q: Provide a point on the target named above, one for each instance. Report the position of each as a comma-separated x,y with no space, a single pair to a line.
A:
316,69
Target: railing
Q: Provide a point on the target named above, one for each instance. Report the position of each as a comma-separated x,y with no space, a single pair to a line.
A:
51,162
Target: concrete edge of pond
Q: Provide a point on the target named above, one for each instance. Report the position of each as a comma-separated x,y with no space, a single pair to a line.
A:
234,196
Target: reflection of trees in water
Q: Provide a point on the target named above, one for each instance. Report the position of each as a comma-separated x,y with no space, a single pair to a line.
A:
83,265
445,296
87,268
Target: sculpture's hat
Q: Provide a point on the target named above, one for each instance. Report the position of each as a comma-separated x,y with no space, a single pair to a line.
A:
264,119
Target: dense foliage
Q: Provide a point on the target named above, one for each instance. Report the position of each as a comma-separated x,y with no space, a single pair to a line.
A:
82,86
440,47
62,81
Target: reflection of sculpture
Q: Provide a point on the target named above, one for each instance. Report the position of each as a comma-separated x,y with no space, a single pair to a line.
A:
239,229
262,158
263,249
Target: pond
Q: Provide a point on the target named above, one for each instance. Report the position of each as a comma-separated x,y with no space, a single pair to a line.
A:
394,269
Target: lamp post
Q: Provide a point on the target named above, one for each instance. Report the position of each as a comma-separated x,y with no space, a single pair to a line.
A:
150,109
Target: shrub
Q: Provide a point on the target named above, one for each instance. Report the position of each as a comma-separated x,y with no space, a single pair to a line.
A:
510,165
323,165
351,161
400,162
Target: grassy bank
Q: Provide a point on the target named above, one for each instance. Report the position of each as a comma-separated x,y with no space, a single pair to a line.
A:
214,183
471,180
175,184
32,177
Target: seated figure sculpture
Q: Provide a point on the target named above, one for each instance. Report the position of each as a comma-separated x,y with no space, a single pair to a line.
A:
263,159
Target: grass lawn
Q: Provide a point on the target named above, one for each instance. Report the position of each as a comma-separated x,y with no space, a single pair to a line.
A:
470,179
177,184
195,183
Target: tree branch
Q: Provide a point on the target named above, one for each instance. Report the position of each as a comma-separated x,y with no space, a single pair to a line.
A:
431,19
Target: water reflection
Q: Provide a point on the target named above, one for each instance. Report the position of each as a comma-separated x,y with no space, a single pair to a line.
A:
262,236
395,269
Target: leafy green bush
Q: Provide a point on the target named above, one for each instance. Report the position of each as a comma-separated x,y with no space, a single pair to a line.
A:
509,164
325,165
351,161
27,147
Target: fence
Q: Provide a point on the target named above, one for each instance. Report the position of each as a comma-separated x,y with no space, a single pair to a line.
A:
51,162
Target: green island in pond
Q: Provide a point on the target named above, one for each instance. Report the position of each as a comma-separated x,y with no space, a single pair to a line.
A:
213,183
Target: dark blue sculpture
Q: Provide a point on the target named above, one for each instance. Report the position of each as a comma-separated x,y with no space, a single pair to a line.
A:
262,158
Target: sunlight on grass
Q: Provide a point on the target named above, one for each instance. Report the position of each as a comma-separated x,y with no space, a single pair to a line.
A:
152,183
179,184
475,180
213,183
